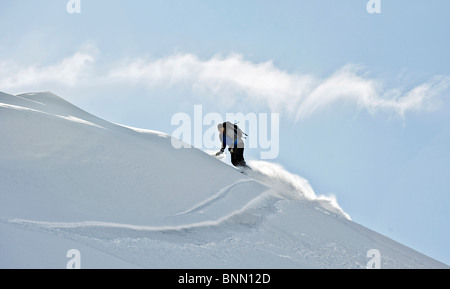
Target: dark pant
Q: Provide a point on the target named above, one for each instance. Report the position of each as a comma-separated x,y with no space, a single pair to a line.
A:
237,157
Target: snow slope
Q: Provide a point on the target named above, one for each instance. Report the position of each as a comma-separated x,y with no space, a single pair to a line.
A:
125,198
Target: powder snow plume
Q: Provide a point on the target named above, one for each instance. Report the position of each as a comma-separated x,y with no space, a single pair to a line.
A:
293,186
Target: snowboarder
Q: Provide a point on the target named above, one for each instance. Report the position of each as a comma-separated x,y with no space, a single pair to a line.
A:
231,136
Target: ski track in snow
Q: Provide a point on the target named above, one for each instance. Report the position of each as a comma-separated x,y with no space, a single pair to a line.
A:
215,197
96,224
240,215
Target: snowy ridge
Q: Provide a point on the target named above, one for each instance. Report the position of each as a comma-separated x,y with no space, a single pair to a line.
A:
127,199
69,118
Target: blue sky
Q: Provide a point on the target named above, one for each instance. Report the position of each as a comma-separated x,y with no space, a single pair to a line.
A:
363,98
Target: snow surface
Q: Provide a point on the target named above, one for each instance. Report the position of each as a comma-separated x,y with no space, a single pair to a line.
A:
125,198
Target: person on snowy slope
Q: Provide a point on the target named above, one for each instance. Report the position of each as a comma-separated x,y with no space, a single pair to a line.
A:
231,136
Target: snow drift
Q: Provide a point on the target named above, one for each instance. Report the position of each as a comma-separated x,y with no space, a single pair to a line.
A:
125,198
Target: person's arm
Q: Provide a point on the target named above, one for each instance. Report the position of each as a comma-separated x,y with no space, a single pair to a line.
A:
224,144
224,141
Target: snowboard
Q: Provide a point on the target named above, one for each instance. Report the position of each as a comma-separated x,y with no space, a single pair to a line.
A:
245,169
219,157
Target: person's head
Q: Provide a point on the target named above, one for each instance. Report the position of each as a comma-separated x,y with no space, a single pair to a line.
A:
220,127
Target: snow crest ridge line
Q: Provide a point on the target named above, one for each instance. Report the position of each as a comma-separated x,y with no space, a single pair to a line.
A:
69,117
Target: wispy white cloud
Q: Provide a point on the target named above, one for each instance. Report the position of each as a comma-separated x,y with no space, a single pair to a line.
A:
299,95
67,72
349,84
232,78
